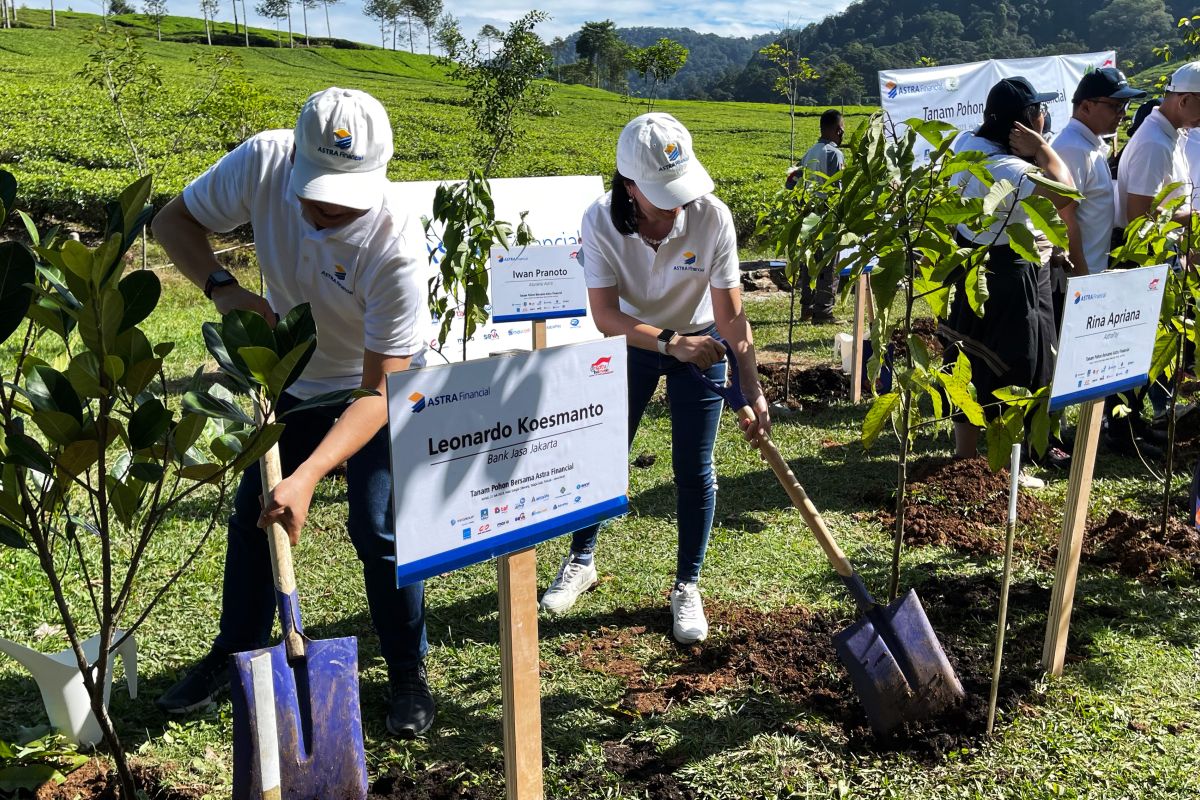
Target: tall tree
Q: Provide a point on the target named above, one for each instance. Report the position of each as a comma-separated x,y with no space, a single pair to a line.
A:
599,45
794,70
449,36
209,9
236,29
842,82
156,10
488,34
276,10
381,12
428,12
558,48
658,63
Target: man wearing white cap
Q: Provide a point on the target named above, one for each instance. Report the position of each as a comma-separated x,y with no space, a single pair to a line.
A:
326,233
1155,157
660,256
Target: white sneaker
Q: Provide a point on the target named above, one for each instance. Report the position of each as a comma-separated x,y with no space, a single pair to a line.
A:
687,609
573,580
1027,481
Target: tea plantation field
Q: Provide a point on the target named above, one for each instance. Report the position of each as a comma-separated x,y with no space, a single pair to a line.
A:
63,141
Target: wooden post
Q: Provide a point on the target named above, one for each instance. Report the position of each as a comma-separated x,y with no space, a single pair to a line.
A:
1070,543
520,679
856,351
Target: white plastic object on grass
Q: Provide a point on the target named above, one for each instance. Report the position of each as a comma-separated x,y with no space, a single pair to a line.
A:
61,684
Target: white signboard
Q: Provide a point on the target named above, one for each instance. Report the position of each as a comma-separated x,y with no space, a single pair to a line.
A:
956,93
492,456
1108,329
537,283
555,207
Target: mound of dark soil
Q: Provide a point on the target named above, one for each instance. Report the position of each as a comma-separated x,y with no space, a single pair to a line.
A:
924,329
640,764
95,780
811,388
431,783
1135,547
962,504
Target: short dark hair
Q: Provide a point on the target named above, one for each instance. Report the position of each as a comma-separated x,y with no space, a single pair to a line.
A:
830,118
997,127
622,210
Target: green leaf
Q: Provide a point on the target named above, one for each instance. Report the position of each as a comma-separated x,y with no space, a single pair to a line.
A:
77,258
84,374
226,447
340,397
1060,189
297,327
187,432
1045,218
260,361
1022,242
146,471
240,328
201,473
999,445
267,436
50,390
10,537
291,367
78,456
148,424
877,416
206,405
139,376
140,292
1000,190
59,427
216,348
977,291
132,202
28,777
24,451
17,275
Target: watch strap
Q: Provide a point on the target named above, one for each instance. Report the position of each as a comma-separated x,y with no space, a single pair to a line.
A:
664,339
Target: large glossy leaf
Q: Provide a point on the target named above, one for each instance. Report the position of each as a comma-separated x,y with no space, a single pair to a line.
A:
17,274
24,451
186,432
216,348
226,447
340,397
148,424
59,427
77,258
11,538
146,471
139,375
297,326
84,374
265,440
291,367
200,473
78,456
877,416
206,405
1021,240
140,290
260,361
50,390
241,328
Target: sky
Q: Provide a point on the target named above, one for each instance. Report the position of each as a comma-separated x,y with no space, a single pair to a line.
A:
724,17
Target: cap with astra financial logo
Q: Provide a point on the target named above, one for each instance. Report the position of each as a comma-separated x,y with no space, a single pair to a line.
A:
655,152
343,145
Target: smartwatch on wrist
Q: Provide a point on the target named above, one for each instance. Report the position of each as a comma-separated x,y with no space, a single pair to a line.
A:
216,280
664,339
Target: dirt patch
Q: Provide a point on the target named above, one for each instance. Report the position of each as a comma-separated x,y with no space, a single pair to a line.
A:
640,763
95,780
790,654
963,504
1135,547
924,329
441,782
809,388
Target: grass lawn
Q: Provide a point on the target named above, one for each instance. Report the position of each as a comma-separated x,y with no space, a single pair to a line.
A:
1121,723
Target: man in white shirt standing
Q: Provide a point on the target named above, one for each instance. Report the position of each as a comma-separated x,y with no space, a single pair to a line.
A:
327,232
1098,108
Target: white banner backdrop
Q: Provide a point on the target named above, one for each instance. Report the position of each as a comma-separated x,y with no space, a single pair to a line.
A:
956,93
555,206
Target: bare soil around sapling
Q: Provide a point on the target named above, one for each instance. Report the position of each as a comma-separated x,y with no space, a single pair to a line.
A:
806,388
963,504
96,780
1136,547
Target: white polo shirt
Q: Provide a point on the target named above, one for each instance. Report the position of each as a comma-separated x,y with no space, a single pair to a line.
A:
1086,156
1153,158
1000,165
365,280
1191,152
668,288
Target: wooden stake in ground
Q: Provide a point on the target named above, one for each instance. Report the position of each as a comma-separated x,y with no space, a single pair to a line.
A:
1014,470
520,681
856,351
1070,543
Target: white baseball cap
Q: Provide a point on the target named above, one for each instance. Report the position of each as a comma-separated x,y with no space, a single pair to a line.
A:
343,145
1186,78
655,152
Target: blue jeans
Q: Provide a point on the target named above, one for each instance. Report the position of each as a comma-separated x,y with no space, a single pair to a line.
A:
695,415
248,604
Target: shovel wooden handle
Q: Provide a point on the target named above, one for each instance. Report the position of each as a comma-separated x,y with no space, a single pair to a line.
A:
281,562
800,500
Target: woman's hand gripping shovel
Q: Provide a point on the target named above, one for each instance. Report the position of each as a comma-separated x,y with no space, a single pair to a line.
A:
297,726
895,661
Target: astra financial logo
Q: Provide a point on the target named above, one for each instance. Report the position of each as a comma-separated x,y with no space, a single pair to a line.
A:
420,402
342,139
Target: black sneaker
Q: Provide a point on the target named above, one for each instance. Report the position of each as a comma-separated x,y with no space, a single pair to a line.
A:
411,710
824,319
200,685
1053,458
1130,446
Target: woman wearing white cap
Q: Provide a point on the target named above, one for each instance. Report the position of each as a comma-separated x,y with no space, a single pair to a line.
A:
660,255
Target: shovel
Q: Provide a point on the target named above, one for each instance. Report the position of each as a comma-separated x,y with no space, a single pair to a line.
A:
297,727
895,661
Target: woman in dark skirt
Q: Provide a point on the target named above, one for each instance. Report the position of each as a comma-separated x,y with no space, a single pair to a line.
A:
1013,343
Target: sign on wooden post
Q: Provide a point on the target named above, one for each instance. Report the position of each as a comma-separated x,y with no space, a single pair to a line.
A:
1107,339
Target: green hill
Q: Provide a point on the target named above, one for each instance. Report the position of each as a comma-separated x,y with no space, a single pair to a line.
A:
69,153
